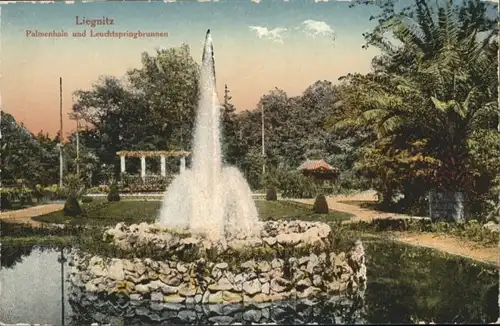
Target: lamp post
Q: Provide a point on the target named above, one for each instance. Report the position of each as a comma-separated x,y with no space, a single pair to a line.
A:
77,146
61,135
75,115
59,146
263,144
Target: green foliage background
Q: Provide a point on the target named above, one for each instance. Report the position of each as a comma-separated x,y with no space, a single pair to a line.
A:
424,118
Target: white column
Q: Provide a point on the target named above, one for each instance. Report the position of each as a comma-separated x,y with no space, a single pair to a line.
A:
122,164
143,167
183,164
163,166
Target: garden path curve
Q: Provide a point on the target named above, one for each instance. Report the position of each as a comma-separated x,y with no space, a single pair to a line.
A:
25,215
446,243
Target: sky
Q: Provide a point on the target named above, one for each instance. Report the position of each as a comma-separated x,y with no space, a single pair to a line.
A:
259,45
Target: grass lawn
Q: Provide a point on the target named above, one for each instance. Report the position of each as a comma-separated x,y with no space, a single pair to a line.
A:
17,206
102,212
277,210
110,213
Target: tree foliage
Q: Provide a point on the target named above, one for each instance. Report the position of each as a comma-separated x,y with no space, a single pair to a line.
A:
431,100
26,158
151,108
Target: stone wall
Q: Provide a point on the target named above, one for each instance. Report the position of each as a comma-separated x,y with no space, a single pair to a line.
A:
89,308
288,275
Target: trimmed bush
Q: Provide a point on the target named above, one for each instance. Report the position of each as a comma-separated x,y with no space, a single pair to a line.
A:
271,193
320,205
71,207
113,194
87,199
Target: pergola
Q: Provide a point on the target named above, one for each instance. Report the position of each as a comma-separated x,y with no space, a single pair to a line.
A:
161,154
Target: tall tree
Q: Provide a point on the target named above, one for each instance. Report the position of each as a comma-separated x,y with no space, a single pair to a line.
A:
117,119
430,98
49,158
25,157
169,83
231,148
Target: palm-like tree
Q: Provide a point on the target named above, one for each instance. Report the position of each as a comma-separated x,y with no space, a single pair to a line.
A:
438,87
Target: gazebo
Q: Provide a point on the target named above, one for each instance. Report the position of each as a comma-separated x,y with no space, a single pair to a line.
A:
321,172
161,154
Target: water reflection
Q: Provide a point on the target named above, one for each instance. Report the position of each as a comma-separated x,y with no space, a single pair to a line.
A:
118,310
11,255
408,284
405,284
31,286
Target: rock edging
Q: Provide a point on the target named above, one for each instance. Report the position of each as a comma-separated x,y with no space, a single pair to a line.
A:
201,281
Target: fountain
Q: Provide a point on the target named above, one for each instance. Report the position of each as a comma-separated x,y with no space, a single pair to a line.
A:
209,198
208,245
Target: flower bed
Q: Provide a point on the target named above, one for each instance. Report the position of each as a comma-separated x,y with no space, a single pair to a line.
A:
151,183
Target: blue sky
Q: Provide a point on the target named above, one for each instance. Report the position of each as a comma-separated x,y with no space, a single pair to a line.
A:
258,46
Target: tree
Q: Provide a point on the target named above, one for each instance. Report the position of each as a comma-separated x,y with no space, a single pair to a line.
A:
290,138
49,158
169,82
117,118
231,147
152,108
88,159
428,99
26,157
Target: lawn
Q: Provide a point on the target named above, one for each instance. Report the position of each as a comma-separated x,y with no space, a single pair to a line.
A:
17,206
110,213
276,210
102,212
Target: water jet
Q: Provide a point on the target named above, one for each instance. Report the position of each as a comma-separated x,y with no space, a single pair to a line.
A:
208,245
209,198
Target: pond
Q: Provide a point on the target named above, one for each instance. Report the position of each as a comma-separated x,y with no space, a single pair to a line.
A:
405,285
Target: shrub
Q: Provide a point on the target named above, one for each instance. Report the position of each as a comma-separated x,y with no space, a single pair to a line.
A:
38,193
73,185
53,192
295,185
5,202
151,183
71,207
113,194
87,199
271,193
320,205
102,189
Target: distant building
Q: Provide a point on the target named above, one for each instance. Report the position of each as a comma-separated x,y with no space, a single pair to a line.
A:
321,172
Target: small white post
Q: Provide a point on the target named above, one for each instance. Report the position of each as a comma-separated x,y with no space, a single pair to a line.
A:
183,164
143,167
122,164
163,166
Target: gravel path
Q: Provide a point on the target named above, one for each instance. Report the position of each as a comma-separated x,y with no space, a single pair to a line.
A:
449,244
341,203
25,215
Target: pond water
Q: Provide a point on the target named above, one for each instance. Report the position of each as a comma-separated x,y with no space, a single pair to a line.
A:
405,285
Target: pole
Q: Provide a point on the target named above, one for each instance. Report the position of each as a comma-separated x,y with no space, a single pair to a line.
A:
77,145
263,145
60,135
62,260
498,127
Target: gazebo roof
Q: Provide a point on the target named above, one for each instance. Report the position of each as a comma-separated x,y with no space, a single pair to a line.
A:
152,153
312,165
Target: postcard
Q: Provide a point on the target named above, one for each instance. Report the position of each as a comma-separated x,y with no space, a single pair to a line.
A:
249,162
